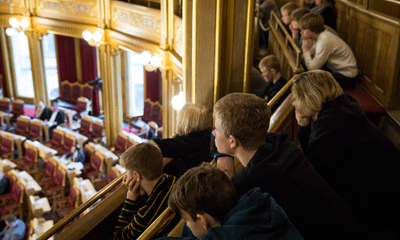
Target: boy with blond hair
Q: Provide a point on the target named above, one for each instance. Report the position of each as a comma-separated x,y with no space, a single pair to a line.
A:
277,166
144,177
286,10
271,72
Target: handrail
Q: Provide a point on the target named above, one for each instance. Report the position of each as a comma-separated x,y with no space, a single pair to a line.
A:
281,92
157,225
63,222
287,35
281,114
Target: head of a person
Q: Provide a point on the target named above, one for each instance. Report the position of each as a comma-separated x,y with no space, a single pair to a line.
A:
203,196
241,120
10,219
286,10
145,129
269,67
75,148
296,16
143,160
192,118
312,89
311,25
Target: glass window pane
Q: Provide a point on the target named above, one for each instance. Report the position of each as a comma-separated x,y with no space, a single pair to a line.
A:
50,64
134,84
22,65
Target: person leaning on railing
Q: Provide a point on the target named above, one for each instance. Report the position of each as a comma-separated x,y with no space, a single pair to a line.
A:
148,191
352,155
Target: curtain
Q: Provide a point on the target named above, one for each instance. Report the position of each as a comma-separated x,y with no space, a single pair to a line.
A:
89,71
2,80
66,58
153,86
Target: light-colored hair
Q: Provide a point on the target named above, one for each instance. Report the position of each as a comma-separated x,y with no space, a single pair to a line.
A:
192,118
312,89
313,22
289,7
145,158
299,13
244,116
270,62
203,189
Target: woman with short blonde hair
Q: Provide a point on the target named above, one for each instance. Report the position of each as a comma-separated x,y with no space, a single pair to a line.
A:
349,152
192,118
191,145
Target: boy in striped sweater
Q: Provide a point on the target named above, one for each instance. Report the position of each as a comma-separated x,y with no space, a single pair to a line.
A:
148,191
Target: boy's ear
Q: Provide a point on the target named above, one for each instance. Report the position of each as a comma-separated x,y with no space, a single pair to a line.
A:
207,221
137,175
233,142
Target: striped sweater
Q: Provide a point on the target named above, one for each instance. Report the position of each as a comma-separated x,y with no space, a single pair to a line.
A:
136,216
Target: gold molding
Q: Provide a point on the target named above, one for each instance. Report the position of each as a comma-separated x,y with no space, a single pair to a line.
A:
77,46
178,35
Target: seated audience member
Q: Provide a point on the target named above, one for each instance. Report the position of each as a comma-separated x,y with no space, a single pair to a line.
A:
326,8
76,154
286,10
52,116
310,3
352,155
294,24
271,72
324,50
277,166
258,83
39,109
265,8
147,133
144,176
15,229
218,212
3,184
191,146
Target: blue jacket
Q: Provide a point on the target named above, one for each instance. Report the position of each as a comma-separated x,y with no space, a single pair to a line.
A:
256,216
16,232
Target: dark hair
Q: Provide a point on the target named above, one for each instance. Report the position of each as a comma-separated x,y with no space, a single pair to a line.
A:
203,189
313,22
299,13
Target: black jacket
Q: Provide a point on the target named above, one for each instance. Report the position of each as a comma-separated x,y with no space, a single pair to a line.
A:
187,151
360,163
281,169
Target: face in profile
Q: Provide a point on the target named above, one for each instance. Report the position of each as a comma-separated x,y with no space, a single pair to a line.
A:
285,17
221,141
267,74
195,226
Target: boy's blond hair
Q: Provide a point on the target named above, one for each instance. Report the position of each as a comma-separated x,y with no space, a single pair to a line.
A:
192,118
145,158
270,62
244,116
289,7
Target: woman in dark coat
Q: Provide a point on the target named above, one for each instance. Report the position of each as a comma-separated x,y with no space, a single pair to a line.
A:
359,162
191,145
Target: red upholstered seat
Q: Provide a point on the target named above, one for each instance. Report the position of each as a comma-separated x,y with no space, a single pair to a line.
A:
11,203
368,104
68,205
85,127
87,91
147,111
156,114
69,141
29,160
76,93
81,106
22,127
120,144
65,91
5,104
57,188
97,131
18,108
7,147
35,131
56,139
48,175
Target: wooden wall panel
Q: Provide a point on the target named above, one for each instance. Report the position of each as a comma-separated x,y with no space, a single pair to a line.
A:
374,40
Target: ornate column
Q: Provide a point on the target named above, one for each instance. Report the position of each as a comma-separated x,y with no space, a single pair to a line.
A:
110,68
37,65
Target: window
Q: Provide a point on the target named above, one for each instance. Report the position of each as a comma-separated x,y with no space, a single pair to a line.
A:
22,65
134,84
50,64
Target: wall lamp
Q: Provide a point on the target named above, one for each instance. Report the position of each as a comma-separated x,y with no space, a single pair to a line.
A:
95,37
16,26
150,63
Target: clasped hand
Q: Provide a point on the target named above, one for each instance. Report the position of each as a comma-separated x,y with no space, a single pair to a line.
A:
134,189
307,44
